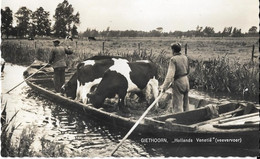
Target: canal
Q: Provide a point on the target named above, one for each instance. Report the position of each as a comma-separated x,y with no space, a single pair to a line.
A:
82,135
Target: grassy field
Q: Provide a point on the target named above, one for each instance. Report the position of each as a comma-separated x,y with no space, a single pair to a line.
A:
197,48
218,64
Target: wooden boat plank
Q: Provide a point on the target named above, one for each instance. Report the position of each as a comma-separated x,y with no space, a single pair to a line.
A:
211,121
236,126
251,121
239,117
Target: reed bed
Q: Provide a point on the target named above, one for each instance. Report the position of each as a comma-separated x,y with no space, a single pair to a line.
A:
230,73
227,75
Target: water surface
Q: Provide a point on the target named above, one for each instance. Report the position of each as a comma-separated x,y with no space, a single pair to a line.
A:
82,135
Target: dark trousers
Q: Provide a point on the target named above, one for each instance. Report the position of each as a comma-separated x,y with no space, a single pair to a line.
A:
59,78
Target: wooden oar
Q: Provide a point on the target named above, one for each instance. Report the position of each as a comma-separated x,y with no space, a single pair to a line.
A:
26,78
137,123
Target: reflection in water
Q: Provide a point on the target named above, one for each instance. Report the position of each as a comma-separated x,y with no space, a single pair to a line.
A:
81,134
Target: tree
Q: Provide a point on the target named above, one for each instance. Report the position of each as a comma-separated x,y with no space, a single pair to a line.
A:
14,31
7,20
74,31
252,30
236,32
23,16
209,31
155,33
41,22
199,31
227,31
178,34
64,19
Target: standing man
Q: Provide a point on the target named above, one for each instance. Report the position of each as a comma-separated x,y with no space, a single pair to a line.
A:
177,79
58,61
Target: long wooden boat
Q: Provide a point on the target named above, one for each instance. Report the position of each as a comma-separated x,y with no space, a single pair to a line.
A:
235,124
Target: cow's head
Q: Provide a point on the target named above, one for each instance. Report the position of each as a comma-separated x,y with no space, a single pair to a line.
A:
70,88
95,100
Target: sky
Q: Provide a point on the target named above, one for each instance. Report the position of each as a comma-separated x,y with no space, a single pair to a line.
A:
147,15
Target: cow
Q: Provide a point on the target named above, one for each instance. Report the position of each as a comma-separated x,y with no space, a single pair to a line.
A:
91,38
124,77
88,74
69,37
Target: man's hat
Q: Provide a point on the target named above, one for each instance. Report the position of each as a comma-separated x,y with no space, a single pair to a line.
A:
176,47
56,41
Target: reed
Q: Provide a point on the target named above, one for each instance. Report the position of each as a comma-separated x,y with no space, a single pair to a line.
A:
227,75
23,148
14,52
223,73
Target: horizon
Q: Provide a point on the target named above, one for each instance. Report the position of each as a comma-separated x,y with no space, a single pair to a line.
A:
138,15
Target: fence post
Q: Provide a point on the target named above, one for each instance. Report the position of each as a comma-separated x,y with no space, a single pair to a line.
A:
139,48
186,45
103,47
253,52
35,52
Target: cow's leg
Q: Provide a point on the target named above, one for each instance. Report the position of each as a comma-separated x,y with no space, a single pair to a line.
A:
141,96
121,102
152,91
78,92
85,90
122,106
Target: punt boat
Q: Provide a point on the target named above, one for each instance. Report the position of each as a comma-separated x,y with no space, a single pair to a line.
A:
230,123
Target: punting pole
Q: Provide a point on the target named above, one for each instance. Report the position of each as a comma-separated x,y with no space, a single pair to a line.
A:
137,123
26,78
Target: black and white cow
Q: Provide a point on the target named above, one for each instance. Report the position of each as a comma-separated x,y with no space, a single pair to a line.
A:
124,77
91,38
89,73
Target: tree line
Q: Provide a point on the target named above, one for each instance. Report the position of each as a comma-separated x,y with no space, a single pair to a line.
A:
30,24
158,32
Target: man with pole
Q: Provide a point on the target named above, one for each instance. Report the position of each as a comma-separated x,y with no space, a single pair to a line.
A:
177,79
58,61
177,74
